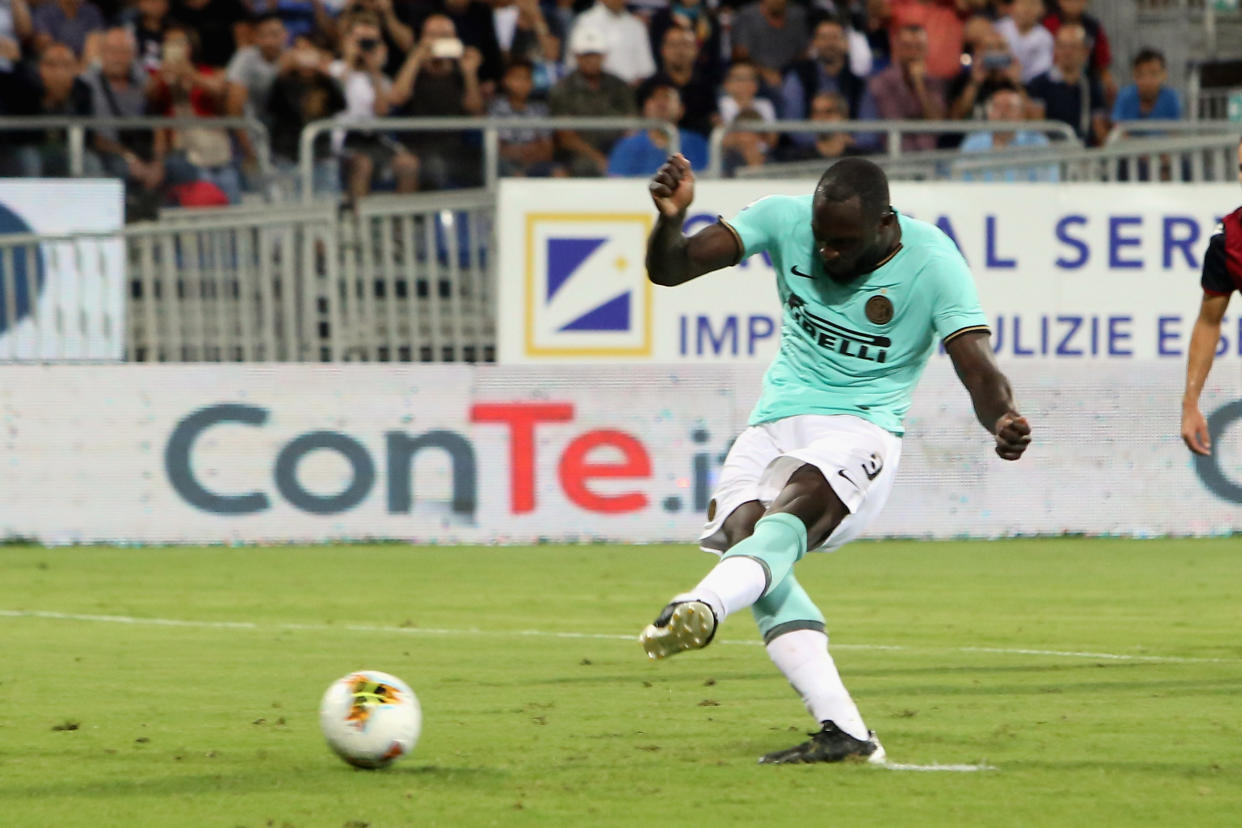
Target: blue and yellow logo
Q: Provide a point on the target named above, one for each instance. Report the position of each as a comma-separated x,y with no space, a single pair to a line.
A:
587,292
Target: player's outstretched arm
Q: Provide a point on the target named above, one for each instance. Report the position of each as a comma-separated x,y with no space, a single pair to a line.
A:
1199,358
671,257
990,392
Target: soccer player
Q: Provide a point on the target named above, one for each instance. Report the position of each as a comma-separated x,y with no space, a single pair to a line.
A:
867,292
1222,275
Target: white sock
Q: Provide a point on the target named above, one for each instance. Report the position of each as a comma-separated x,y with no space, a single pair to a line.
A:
733,584
802,655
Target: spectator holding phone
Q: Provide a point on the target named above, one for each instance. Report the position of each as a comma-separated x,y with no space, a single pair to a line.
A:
304,91
396,20
440,78
188,88
992,66
474,27
371,157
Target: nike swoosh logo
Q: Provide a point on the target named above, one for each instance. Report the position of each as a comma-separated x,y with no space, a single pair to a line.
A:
847,477
797,272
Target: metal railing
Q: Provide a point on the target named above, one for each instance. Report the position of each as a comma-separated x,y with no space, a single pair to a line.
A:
926,165
1184,159
76,129
893,131
489,127
415,283
397,279
1178,7
1208,104
1146,128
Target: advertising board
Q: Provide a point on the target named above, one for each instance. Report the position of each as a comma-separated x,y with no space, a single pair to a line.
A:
1065,272
497,454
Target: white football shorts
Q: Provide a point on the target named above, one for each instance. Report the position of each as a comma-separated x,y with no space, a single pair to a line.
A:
858,459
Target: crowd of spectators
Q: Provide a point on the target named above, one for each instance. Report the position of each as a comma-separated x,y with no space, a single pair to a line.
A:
696,63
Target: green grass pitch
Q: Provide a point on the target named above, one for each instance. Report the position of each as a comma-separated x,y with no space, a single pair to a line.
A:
1100,679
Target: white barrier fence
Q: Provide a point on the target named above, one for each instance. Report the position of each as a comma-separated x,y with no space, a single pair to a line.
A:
399,279
62,288
254,453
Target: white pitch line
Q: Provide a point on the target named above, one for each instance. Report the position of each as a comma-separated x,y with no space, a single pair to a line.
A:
371,628
127,619
1112,656
898,766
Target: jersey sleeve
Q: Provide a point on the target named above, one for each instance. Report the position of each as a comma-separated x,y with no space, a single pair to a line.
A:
758,225
955,302
1215,279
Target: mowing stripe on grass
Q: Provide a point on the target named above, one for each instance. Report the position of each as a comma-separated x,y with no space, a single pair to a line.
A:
371,628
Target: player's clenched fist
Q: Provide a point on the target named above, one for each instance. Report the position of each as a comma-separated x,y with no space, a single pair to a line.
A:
672,187
1013,435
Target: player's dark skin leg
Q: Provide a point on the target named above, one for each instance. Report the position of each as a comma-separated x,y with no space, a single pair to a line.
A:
807,496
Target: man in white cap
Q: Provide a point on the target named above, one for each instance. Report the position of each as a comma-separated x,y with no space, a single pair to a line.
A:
627,40
592,92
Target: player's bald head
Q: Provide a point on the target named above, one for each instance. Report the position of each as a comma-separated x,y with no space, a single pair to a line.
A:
852,178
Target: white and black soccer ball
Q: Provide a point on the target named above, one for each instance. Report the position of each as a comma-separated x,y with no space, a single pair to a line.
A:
370,719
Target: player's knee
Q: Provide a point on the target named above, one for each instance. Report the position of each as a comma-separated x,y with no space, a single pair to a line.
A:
740,525
809,497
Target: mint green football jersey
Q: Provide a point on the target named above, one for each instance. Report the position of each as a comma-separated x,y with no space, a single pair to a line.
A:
860,348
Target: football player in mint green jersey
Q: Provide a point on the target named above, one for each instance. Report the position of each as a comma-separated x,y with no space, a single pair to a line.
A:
867,295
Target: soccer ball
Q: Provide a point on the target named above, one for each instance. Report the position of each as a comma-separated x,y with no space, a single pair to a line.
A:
370,718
